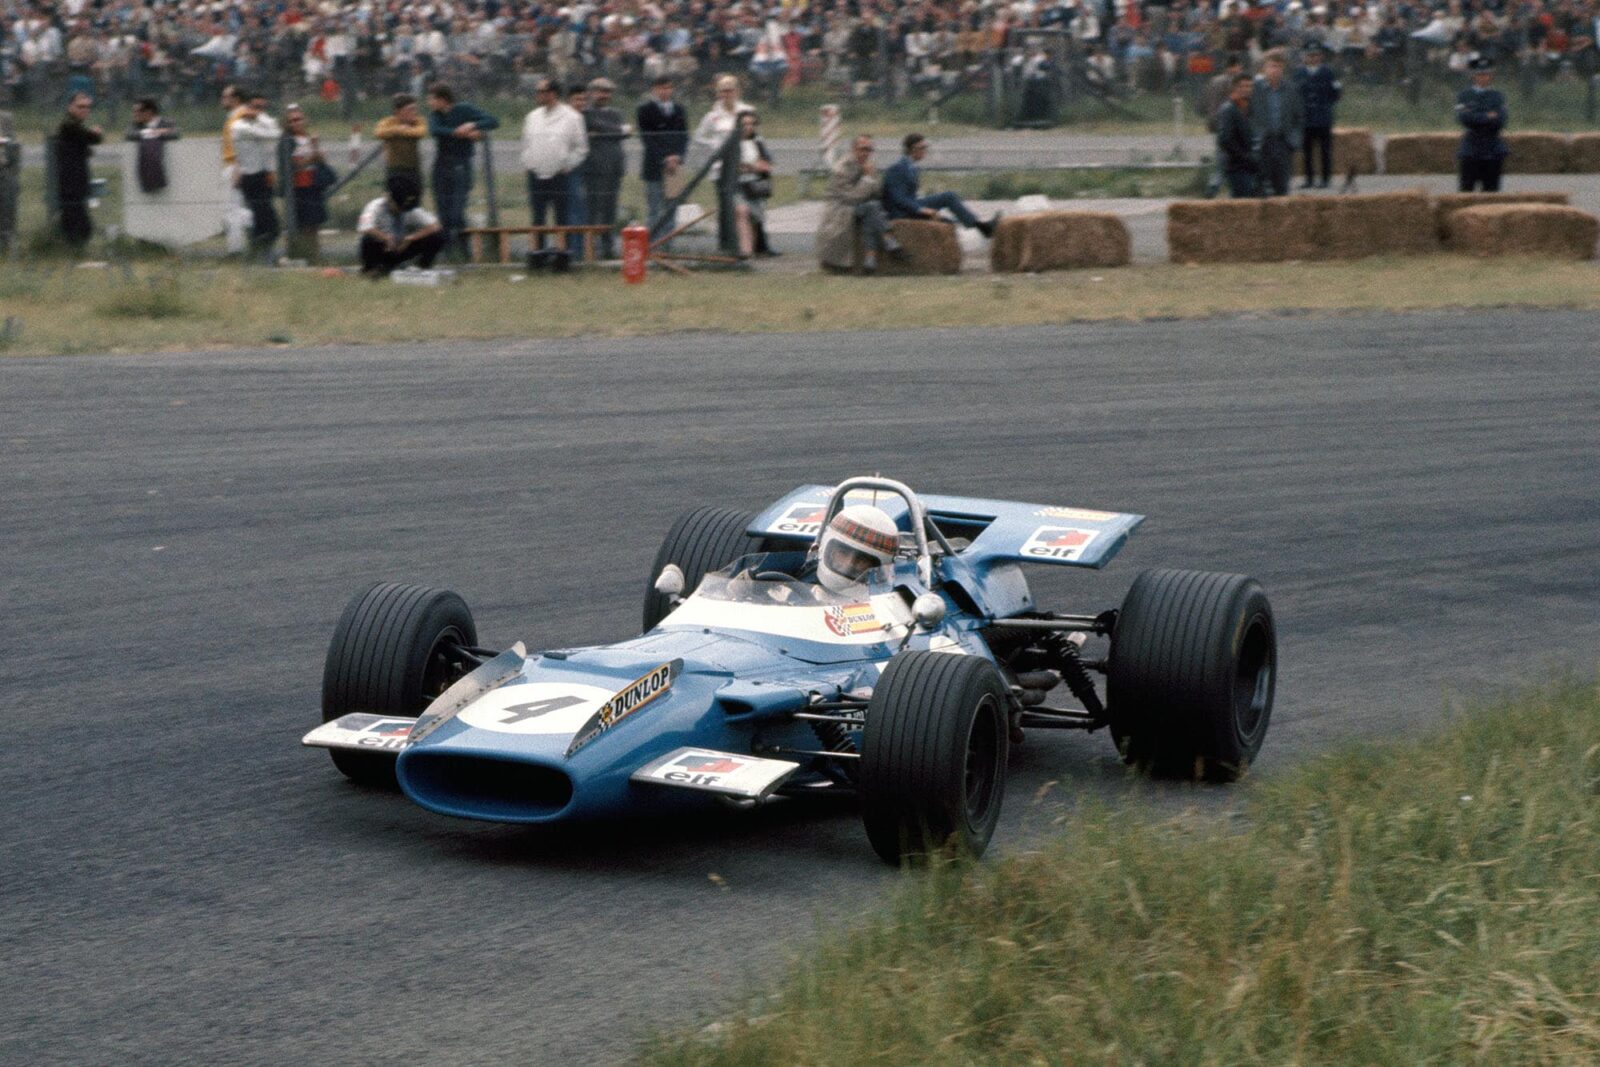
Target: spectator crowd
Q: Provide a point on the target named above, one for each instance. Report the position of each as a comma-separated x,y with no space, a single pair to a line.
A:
122,50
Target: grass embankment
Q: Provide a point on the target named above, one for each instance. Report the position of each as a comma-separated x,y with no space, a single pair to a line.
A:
1428,902
140,307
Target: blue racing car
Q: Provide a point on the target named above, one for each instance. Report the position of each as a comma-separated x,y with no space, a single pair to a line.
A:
856,638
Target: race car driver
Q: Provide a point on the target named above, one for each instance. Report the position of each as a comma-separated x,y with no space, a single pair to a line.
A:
857,539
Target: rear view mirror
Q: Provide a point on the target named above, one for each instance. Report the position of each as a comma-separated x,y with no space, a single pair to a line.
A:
670,581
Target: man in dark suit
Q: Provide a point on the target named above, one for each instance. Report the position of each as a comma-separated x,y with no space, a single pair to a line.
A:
1236,149
900,199
664,132
1481,110
1319,91
75,141
150,131
1277,120
602,172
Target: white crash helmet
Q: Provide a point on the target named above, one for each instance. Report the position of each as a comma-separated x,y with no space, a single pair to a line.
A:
858,539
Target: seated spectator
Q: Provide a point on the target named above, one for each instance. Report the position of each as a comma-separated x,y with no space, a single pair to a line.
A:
396,229
900,197
854,205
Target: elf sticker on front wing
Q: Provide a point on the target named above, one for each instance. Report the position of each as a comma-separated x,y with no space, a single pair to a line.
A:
626,702
1064,543
848,620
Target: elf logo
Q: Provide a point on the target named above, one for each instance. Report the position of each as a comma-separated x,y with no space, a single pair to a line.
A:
1063,543
803,519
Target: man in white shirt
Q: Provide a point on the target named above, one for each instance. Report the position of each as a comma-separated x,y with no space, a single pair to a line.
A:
396,229
255,145
554,142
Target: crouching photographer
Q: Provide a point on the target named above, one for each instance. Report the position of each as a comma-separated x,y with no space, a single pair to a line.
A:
396,229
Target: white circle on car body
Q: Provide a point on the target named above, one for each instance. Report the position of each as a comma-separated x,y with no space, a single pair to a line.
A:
559,708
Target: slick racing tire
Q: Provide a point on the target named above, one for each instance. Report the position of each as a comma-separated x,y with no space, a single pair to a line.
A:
1192,667
933,755
390,655
704,540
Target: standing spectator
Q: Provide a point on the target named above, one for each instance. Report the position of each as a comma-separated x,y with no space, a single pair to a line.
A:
900,199
401,133
1481,110
755,187
255,142
603,172
664,133
75,143
10,169
457,128
310,179
1319,92
578,176
151,133
1236,151
1219,89
234,216
854,206
395,229
718,123
553,144
1276,118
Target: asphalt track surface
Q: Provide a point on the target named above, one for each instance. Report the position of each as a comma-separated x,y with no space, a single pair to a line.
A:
183,883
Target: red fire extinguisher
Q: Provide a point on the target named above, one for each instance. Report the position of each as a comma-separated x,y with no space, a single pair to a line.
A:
635,250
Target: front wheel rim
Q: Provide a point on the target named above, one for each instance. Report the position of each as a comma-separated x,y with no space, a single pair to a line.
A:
1253,676
980,781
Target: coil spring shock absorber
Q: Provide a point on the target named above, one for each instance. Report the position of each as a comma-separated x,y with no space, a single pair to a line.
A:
1076,676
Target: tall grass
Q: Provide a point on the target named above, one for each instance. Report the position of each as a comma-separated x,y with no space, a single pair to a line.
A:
1432,902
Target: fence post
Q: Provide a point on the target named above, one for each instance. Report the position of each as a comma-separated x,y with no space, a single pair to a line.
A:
291,209
493,212
52,189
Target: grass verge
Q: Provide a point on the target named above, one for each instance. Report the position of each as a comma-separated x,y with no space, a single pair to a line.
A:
1428,902
142,307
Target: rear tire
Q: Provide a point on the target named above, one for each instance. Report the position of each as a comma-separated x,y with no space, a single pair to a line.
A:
1192,670
388,657
704,540
933,755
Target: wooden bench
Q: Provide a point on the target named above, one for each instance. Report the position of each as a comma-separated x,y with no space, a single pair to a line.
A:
503,234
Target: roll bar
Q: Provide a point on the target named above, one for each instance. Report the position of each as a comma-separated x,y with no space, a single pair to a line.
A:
921,525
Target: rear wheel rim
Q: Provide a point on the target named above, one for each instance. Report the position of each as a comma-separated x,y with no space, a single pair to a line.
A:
1252,681
980,781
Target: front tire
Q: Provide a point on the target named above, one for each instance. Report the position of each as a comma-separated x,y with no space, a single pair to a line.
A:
1192,670
704,540
390,655
933,755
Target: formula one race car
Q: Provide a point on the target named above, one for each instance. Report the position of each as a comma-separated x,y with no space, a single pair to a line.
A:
857,638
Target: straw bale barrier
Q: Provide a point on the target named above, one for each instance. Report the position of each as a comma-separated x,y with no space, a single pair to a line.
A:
1215,231
1420,153
1446,204
1301,227
1583,154
1060,240
1524,230
928,248
1537,153
1353,149
1375,224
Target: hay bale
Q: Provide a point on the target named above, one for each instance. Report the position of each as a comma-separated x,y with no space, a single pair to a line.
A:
1446,204
1524,230
1353,149
1583,153
929,248
1060,240
1215,231
1378,224
1291,228
1420,153
1537,153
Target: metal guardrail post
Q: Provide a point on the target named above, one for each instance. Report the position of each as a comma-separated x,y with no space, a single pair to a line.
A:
291,209
727,190
493,212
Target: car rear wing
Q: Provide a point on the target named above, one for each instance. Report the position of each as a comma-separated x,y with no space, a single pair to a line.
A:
994,530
